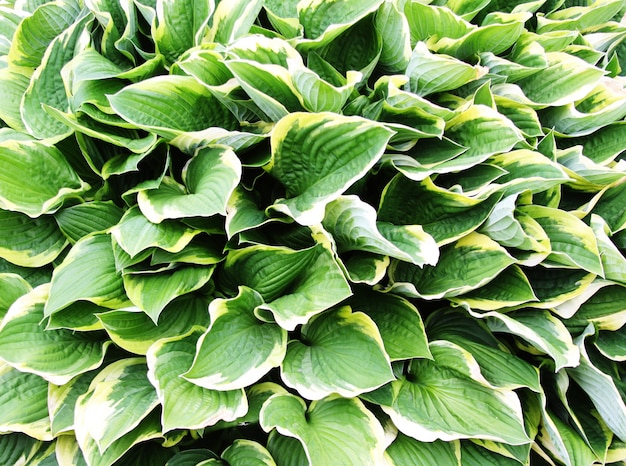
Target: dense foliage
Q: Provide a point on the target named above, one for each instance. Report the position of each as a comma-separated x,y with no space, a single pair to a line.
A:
267,232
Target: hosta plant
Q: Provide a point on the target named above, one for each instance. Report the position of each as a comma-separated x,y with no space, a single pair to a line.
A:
266,232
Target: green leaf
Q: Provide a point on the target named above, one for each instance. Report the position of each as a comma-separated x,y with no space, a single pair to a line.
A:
572,241
318,156
392,25
170,106
612,344
430,73
29,242
233,19
119,398
398,321
235,329
87,217
24,399
152,291
426,21
133,330
353,225
136,233
209,179
347,351
295,285
426,401
444,214
168,359
609,206
87,273
36,178
333,430
18,448
406,450
470,263
55,355
14,82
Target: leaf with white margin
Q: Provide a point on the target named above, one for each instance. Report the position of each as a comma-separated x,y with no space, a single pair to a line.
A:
602,304
119,398
610,205
62,401
233,19
295,285
613,261
540,329
36,178
473,455
171,105
17,448
152,291
601,389
364,267
527,170
12,286
209,179
586,174
14,82
168,359
133,330
354,226
398,321
566,79
612,345
317,156
68,451
29,242
393,27
87,273
444,214
235,330
135,233
56,355
149,428
447,399
470,263
426,21
244,452
319,95
323,21
572,242
24,403
430,73
406,450
333,430
339,351
180,25
510,288
47,85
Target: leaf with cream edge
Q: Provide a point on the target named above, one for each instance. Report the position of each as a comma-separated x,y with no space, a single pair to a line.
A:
119,398
317,156
133,330
339,351
36,178
24,403
471,262
572,241
152,291
12,286
444,214
185,404
235,330
333,430
209,179
170,106
294,285
540,329
353,225
56,355
398,321
244,452
29,242
87,273
426,402
62,401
